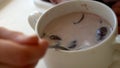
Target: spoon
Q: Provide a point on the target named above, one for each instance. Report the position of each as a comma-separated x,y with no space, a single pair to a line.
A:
57,46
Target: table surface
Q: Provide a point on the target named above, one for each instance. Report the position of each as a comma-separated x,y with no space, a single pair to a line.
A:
14,16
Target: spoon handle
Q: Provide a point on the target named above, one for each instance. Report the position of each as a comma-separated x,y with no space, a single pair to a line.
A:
58,47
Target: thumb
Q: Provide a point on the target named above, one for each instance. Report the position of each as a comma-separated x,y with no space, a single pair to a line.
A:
37,52
29,40
43,45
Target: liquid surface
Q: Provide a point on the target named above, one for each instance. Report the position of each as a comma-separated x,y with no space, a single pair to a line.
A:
77,30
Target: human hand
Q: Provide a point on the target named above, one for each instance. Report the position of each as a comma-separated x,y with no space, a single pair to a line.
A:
20,51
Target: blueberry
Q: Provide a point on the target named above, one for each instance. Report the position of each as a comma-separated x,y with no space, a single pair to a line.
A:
101,33
73,44
55,37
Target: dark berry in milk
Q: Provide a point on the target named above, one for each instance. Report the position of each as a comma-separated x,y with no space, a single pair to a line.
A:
77,30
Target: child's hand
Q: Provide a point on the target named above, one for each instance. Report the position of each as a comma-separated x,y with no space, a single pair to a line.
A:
20,51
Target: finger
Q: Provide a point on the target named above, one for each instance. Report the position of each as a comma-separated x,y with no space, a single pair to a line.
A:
18,37
12,53
18,52
19,55
28,40
34,53
37,51
5,65
8,34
